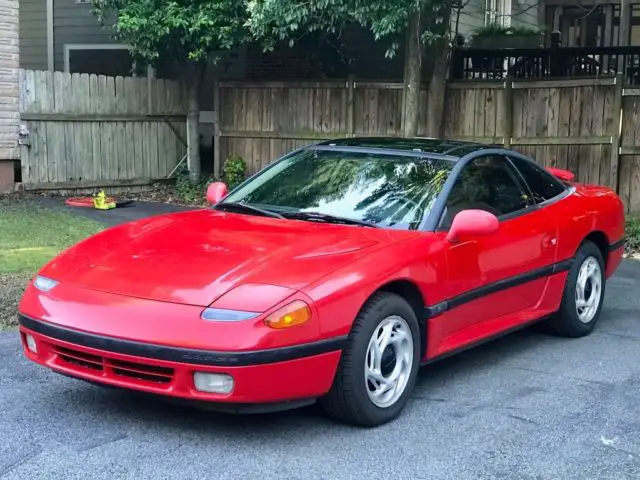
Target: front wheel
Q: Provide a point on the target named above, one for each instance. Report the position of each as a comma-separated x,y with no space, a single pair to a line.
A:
583,294
379,366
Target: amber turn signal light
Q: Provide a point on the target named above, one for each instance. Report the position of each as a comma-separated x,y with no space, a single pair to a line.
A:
295,313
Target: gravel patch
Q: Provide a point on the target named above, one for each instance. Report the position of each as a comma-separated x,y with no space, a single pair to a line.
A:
11,287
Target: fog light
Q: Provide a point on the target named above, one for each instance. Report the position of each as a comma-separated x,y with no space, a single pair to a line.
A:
31,343
213,382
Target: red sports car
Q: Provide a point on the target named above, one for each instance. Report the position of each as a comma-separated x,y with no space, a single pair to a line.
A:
332,274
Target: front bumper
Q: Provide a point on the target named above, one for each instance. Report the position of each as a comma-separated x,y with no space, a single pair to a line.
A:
260,377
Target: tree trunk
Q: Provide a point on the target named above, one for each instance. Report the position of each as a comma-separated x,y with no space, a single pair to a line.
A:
413,76
438,82
438,91
193,125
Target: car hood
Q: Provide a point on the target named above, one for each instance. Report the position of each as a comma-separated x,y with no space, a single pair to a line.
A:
195,257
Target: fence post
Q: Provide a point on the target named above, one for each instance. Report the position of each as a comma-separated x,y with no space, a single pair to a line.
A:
614,164
624,33
216,125
508,111
557,60
351,106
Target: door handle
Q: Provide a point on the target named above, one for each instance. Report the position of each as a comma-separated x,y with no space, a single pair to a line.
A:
549,242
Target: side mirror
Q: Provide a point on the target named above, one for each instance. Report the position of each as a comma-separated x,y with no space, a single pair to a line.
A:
216,192
472,223
564,175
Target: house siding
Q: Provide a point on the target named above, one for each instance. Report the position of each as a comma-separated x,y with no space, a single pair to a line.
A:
525,14
75,23
9,65
33,34
471,18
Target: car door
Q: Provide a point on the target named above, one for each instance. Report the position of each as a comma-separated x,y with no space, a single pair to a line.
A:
493,280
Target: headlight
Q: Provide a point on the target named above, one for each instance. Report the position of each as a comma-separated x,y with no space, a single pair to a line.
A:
221,315
44,284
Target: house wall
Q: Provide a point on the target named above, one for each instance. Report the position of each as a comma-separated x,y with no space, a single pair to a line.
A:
472,17
525,13
33,34
74,23
9,95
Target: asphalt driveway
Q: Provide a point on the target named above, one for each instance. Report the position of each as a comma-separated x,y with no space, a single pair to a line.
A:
116,216
528,406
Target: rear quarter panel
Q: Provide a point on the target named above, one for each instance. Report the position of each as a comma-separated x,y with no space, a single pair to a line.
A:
588,210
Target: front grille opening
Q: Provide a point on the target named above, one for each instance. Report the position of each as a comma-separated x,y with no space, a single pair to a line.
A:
149,373
141,376
81,359
112,367
139,366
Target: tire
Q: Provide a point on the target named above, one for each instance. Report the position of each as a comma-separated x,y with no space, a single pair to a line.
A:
567,322
349,400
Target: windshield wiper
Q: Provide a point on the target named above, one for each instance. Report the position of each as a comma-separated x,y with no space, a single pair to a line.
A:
249,208
325,217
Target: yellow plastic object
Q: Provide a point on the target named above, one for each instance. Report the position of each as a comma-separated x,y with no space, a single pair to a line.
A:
101,202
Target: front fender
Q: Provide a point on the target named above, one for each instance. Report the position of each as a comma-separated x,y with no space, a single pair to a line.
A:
340,296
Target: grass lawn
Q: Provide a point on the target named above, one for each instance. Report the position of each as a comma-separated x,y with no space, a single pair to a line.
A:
30,235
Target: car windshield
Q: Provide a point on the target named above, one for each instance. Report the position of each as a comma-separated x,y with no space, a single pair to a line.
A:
384,190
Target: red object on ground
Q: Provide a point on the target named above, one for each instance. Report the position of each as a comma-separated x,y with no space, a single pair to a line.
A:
129,308
83,201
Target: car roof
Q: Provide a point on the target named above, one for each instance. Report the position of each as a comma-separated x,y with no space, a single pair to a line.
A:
436,146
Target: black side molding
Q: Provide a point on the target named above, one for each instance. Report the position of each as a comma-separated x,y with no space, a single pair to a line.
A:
616,245
183,355
500,285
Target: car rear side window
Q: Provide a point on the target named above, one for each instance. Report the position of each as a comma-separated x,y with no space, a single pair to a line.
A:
543,185
487,183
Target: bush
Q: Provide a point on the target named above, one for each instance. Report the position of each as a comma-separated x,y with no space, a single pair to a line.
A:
632,236
233,171
188,192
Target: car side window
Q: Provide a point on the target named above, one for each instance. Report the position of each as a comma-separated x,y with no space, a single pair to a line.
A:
486,183
542,184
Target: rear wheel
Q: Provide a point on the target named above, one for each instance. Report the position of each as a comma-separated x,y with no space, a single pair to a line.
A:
379,366
583,294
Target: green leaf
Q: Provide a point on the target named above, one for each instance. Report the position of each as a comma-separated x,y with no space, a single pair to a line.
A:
183,30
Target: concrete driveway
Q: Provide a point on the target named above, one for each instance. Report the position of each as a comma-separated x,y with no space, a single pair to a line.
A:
527,406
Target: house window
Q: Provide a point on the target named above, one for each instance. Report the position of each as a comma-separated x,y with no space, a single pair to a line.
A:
498,12
109,59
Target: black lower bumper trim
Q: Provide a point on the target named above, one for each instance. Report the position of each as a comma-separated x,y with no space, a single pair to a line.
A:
182,355
241,408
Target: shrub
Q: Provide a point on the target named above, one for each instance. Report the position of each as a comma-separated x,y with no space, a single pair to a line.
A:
188,192
632,235
233,171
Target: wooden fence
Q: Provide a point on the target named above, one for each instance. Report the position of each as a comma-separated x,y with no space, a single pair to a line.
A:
591,127
88,131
